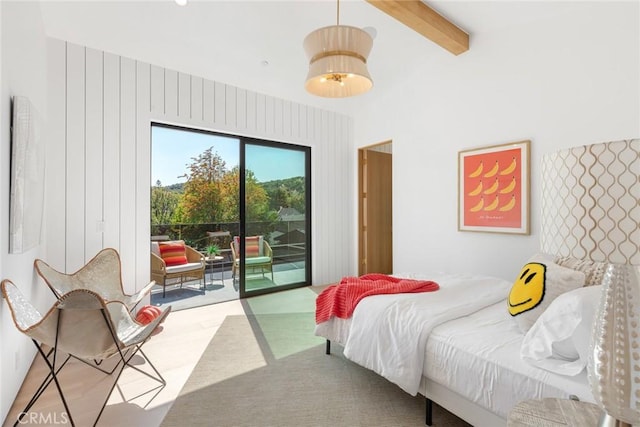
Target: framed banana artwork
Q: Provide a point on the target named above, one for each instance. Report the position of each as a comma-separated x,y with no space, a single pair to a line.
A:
493,188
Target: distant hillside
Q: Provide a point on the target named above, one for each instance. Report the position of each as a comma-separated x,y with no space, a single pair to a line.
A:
286,193
175,188
293,184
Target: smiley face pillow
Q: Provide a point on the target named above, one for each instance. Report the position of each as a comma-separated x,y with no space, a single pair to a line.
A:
539,282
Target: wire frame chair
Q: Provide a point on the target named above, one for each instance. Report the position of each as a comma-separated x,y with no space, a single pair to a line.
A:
102,275
81,325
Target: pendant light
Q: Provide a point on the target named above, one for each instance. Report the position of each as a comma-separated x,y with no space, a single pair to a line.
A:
338,60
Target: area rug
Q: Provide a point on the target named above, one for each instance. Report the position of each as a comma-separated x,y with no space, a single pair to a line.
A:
270,370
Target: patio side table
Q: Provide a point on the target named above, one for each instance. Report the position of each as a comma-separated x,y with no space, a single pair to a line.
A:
210,266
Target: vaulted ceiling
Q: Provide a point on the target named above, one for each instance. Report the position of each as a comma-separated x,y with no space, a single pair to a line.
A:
257,45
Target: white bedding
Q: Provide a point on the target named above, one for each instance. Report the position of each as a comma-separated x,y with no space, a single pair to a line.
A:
478,357
388,333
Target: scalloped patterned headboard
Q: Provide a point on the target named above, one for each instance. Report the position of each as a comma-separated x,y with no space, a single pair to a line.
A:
591,202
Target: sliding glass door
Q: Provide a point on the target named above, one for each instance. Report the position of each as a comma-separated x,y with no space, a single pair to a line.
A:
243,203
276,217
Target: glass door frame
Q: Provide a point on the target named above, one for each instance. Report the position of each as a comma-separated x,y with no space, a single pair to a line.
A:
244,141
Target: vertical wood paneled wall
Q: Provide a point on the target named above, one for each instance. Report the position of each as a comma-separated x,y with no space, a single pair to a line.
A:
99,155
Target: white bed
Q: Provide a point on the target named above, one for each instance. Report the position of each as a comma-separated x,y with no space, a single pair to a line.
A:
478,357
472,364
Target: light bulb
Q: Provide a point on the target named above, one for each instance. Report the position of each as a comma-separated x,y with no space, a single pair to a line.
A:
181,2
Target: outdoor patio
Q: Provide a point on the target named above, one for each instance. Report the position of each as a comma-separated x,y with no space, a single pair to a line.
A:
219,286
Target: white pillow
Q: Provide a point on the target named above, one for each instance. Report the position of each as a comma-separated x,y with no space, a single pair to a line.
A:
559,341
594,271
539,283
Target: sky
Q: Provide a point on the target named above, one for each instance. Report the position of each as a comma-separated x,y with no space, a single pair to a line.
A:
172,149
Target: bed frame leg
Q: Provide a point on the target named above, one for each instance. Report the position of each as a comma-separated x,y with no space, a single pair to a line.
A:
328,348
429,412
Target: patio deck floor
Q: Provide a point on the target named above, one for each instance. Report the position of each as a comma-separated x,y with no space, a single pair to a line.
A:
220,287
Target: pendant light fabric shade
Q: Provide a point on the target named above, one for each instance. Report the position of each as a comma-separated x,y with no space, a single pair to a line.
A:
338,61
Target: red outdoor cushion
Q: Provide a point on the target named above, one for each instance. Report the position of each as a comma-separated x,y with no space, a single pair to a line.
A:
173,253
147,314
251,246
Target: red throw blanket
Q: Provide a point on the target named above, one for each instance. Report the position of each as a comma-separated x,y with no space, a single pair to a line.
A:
340,300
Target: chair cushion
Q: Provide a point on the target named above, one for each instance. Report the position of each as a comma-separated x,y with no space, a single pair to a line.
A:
253,246
147,313
173,253
258,260
184,267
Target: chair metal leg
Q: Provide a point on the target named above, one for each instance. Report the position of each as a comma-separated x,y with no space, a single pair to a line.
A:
51,376
125,363
96,365
45,383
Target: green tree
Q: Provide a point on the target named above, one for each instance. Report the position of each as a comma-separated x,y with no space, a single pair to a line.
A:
257,199
201,200
211,193
281,197
163,205
288,193
230,196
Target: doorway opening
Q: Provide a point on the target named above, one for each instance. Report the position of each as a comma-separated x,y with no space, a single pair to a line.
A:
241,204
375,212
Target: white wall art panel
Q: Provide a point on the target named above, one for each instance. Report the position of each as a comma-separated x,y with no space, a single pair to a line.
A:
109,103
591,202
27,177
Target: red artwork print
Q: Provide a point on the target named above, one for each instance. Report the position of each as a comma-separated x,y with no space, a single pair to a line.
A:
493,189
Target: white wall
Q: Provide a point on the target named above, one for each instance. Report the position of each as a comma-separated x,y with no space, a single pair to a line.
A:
571,80
98,107
101,108
23,72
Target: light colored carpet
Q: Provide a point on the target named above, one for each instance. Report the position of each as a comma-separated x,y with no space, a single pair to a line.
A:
270,370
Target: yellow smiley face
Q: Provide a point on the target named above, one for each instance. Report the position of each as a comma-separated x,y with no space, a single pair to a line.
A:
527,292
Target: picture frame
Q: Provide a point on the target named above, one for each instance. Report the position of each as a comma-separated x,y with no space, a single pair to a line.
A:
493,188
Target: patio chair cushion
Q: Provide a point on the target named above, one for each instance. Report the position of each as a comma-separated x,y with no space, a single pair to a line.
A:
183,267
173,253
258,260
253,246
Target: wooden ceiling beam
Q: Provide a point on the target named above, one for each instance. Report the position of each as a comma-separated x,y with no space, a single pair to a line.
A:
418,16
